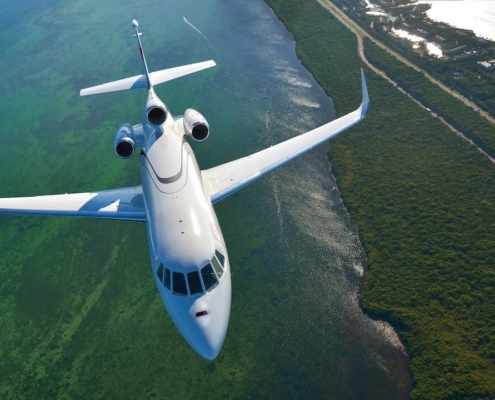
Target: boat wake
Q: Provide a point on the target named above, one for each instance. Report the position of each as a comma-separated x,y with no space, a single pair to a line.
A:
196,29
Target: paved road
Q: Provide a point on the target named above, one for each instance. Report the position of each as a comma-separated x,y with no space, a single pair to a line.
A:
360,33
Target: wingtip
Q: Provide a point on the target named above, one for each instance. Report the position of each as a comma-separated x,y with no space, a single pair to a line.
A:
365,101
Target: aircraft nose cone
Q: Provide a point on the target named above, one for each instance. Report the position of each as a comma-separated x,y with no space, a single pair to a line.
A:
204,322
210,349
210,328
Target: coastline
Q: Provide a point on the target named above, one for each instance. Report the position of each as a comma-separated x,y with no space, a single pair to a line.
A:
407,384
411,187
460,61
447,12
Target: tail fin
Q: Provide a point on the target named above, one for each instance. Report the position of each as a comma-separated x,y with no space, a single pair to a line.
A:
147,80
135,25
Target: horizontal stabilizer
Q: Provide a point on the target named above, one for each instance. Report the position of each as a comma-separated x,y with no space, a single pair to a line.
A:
139,82
177,72
135,82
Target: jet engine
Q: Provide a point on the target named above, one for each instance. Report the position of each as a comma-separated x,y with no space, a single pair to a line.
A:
195,125
156,115
126,140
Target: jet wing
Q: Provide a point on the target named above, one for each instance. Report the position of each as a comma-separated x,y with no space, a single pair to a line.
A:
123,204
225,179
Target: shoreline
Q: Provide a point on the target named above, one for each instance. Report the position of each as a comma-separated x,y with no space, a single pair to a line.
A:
468,27
465,57
410,186
408,383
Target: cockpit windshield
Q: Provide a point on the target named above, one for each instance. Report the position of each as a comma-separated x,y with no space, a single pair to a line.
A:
197,281
220,257
179,284
209,277
166,281
217,266
194,282
159,273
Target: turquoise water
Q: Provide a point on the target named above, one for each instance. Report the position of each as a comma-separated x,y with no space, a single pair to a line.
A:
80,315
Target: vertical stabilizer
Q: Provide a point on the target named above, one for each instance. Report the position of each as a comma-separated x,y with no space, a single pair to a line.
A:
135,25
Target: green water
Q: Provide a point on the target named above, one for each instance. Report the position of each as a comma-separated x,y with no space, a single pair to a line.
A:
80,316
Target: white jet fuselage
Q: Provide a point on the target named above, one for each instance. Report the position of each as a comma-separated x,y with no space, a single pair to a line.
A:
184,236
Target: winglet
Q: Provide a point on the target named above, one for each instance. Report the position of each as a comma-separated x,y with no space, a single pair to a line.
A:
365,102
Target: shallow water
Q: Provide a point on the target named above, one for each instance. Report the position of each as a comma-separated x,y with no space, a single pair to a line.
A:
80,314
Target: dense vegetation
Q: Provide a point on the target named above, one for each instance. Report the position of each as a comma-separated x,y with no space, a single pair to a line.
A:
463,118
423,201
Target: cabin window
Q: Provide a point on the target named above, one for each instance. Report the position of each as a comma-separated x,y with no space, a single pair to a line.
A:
166,281
220,257
179,284
209,277
159,273
217,266
194,282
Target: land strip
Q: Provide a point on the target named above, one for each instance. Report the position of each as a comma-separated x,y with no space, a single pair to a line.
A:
361,33
422,199
461,120
486,147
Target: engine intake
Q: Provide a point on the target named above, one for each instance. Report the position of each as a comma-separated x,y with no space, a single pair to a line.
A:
125,148
195,125
126,140
156,115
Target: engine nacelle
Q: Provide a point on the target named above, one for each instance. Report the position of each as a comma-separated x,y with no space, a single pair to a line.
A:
195,125
126,140
156,115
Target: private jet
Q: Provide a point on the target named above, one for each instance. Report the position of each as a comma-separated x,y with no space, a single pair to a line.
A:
189,258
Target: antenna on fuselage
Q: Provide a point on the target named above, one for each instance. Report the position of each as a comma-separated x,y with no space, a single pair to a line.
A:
138,34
